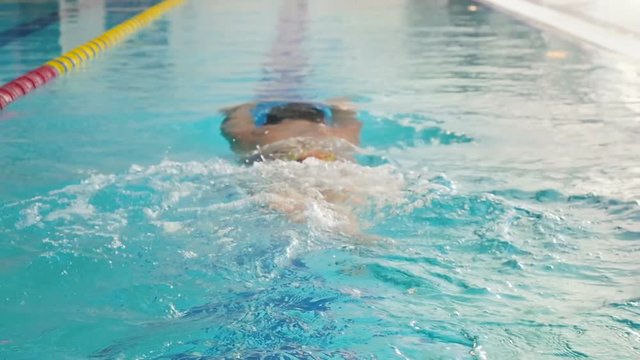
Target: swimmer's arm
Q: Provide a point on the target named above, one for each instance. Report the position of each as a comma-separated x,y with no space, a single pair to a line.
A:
345,120
239,127
344,113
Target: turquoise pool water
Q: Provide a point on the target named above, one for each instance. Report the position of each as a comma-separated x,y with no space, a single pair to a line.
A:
497,190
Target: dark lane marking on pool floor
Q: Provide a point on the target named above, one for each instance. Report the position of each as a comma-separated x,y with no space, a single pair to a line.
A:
27,28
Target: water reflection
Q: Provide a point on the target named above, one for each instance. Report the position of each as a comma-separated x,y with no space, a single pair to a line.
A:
286,68
534,99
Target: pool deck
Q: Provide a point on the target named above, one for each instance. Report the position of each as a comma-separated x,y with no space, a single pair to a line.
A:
612,25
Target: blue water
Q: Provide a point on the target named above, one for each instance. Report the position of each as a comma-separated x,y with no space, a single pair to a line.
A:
496,196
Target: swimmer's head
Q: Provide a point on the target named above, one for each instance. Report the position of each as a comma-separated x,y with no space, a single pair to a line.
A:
295,111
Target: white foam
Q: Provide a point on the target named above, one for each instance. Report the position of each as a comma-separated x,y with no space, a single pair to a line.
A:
78,207
170,226
327,195
30,216
188,254
116,243
306,203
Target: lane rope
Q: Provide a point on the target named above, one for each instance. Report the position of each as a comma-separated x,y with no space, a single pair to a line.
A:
65,63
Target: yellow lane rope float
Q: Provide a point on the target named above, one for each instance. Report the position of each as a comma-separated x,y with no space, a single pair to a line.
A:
63,64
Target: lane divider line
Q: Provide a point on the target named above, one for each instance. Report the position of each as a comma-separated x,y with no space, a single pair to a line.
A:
65,63
27,28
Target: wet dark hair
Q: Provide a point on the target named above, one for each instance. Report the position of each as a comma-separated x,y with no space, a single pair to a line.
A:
302,111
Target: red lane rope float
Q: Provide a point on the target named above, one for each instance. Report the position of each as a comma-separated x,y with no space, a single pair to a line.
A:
39,77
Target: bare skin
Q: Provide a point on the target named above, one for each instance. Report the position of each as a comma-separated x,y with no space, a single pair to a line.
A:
244,136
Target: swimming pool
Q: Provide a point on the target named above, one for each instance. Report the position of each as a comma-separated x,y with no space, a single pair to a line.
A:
501,187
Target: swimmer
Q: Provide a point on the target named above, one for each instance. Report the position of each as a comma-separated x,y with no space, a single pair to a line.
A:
297,131
282,130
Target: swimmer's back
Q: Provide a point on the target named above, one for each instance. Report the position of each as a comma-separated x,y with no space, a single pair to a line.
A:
246,133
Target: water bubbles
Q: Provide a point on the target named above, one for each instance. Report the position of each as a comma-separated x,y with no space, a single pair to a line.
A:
188,254
116,243
513,264
218,230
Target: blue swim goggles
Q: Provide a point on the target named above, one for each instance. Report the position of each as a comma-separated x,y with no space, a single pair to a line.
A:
262,110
